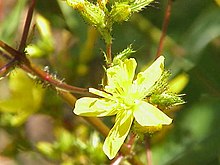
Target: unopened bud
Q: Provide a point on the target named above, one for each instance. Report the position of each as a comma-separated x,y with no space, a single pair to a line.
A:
120,12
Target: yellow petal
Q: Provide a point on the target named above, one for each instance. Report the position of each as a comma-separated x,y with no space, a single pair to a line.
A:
177,84
120,77
145,80
118,134
87,106
148,115
101,93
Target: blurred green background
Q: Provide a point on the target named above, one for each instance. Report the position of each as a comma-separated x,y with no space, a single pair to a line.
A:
38,127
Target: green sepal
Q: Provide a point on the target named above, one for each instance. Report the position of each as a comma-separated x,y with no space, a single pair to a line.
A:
166,99
161,85
123,55
138,5
92,13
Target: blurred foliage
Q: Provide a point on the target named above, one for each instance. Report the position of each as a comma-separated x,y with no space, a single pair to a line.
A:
73,50
25,98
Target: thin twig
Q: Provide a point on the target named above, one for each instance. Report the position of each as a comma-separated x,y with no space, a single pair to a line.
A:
5,69
109,53
29,67
129,144
58,84
11,51
117,160
7,57
26,27
131,140
164,27
148,151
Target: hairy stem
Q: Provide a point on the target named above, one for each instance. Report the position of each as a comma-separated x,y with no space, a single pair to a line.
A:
44,76
109,53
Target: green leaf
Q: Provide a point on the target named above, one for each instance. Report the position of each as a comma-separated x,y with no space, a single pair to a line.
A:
25,98
9,27
205,29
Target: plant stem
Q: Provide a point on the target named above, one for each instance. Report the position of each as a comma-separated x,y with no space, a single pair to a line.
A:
30,68
109,53
131,140
5,69
117,160
26,27
58,84
148,150
164,27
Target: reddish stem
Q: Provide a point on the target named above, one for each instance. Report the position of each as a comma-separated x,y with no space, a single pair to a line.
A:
164,27
117,160
26,27
54,82
27,66
131,140
148,151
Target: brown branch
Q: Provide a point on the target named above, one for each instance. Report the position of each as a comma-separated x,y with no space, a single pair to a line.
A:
131,140
47,78
109,54
26,27
12,52
164,27
5,69
148,150
117,160
58,84
129,145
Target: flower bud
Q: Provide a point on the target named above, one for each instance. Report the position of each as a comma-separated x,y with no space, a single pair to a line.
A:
166,99
120,12
92,13
76,4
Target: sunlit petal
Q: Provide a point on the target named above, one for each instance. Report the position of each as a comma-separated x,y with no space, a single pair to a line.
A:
118,134
101,93
87,106
121,76
148,115
145,80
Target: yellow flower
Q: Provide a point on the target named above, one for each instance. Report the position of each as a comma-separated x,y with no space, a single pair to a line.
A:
124,97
